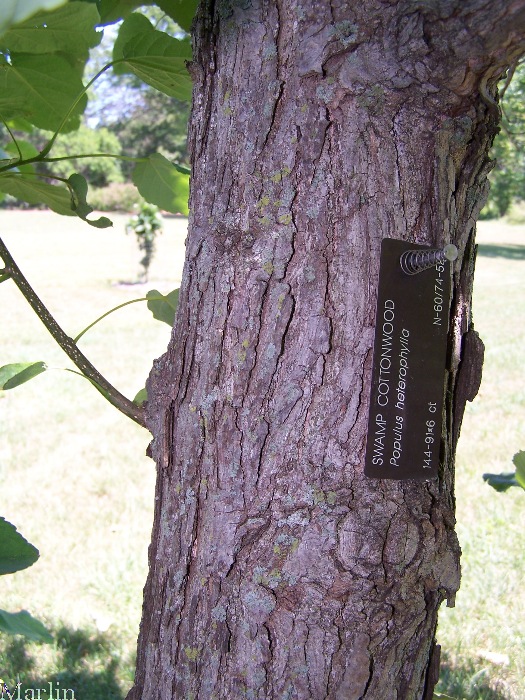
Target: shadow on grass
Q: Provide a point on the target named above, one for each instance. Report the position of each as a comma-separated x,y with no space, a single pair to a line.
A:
82,666
513,252
467,680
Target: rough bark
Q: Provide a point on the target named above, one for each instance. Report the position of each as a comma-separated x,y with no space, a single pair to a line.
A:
277,570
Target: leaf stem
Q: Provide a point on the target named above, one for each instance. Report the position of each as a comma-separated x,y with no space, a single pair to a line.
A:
20,156
68,345
93,155
49,145
39,159
41,156
126,303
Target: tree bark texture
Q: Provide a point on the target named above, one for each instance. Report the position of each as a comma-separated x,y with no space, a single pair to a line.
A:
277,569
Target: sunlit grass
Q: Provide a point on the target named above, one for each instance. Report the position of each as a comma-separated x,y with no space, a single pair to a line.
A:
76,482
483,637
73,472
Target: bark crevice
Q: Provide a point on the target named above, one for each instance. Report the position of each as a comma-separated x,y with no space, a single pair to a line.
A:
277,570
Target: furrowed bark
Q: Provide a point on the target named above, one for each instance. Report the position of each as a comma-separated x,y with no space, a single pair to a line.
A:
277,570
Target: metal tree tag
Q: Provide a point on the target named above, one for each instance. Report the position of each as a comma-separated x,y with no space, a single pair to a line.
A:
408,375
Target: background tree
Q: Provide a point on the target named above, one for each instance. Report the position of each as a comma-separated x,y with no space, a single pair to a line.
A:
276,568
99,172
157,123
508,176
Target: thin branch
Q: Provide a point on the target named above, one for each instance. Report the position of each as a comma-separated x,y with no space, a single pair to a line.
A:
511,134
68,345
510,75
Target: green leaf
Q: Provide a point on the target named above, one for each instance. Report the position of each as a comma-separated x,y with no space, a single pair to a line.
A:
40,89
34,191
155,57
16,553
27,150
69,29
113,10
18,373
14,11
519,463
134,26
501,482
163,307
80,206
19,124
160,183
141,397
182,169
23,623
182,11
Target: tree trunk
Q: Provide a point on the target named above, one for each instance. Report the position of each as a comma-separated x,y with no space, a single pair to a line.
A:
277,569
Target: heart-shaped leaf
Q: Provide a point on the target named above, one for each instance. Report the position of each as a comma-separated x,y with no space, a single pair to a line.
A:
163,307
133,26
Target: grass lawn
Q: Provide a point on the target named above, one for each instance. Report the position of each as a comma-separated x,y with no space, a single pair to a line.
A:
87,505
483,637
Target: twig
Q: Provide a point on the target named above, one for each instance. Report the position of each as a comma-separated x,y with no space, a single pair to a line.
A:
68,345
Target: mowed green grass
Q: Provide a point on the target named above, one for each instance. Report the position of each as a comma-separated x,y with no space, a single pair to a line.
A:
483,637
75,480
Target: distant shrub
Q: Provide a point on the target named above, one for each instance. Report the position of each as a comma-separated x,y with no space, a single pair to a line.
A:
118,196
9,202
146,225
489,212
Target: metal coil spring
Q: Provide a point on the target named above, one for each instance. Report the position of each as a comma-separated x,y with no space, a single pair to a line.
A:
414,261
